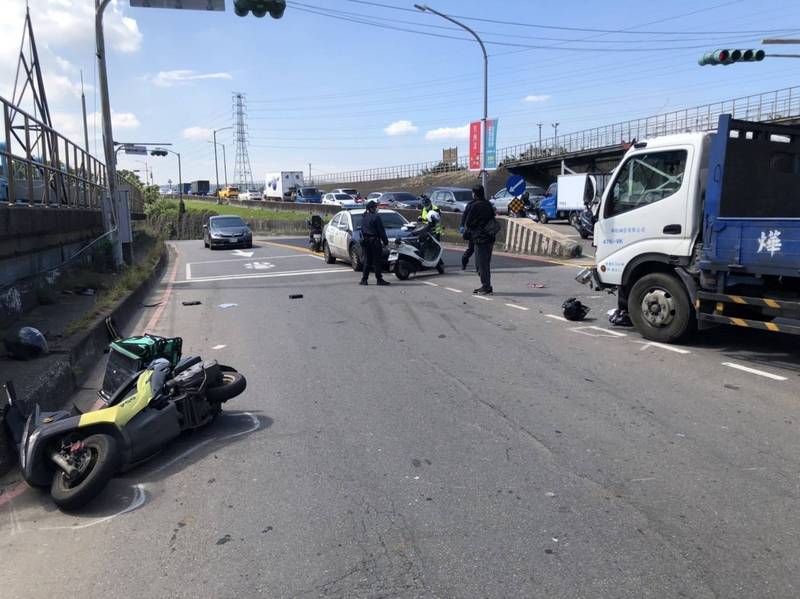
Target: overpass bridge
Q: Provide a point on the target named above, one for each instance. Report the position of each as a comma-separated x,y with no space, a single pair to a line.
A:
598,149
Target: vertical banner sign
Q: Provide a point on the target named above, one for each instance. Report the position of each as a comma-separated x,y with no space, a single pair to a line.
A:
490,145
475,146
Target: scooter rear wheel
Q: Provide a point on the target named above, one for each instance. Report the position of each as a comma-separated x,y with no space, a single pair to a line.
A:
70,494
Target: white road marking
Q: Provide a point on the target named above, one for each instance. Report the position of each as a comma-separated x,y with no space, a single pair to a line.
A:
291,273
219,346
264,257
677,350
429,283
769,375
483,297
188,270
518,307
454,290
561,318
259,265
601,332
243,254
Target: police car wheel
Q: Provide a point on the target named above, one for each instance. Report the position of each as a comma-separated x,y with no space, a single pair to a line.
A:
326,251
355,261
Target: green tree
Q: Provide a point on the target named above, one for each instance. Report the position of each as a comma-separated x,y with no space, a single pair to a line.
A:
131,178
151,194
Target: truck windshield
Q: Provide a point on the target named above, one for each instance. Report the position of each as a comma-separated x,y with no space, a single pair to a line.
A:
308,191
645,179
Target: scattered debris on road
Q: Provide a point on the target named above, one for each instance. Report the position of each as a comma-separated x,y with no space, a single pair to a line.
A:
537,285
223,306
574,310
296,296
193,303
619,318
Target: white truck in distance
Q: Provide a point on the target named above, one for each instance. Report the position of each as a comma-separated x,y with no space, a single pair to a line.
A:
278,187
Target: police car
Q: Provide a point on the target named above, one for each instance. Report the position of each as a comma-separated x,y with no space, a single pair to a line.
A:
341,237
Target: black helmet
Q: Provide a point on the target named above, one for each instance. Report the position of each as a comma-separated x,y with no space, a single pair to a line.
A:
426,201
574,310
371,204
25,343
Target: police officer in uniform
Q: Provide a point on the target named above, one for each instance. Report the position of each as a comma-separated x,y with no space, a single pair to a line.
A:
373,240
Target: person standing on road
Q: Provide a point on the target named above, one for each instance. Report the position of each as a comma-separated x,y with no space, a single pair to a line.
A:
373,240
482,229
470,243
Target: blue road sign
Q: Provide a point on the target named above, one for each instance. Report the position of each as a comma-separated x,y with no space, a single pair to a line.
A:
515,185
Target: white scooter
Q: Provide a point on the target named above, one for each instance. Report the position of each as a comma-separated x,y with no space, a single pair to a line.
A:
416,252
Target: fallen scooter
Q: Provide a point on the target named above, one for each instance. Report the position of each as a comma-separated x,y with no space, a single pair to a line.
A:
76,454
416,252
314,225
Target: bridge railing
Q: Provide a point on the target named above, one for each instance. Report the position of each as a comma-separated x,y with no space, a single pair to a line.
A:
41,167
769,106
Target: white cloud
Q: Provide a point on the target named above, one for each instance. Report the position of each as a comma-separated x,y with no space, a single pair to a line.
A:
197,133
448,133
401,128
183,76
540,98
123,120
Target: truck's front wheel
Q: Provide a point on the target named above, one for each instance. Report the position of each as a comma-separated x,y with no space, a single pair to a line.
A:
660,308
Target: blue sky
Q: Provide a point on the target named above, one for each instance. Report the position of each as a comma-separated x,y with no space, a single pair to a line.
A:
329,92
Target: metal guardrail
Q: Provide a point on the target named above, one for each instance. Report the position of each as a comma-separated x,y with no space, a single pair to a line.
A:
768,106
41,167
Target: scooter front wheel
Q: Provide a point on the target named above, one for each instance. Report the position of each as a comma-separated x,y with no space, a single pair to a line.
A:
401,270
96,468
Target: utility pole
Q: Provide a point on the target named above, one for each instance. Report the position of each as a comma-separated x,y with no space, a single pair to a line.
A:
120,220
85,125
216,166
309,173
555,134
225,164
540,136
425,8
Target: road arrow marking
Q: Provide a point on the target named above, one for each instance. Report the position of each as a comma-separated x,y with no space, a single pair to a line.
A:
242,254
259,265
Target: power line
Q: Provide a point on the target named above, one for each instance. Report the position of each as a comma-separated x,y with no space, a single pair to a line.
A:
564,28
496,43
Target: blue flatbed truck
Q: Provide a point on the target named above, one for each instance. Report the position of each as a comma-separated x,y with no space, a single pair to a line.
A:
701,229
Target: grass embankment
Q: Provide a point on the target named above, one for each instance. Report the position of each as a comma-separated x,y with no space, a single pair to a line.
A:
245,213
110,290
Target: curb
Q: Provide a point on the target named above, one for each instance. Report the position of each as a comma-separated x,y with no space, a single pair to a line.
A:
66,376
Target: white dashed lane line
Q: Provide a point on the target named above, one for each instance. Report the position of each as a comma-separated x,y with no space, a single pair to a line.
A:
769,375
430,284
554,317
677,350
483,297
518,307
454,290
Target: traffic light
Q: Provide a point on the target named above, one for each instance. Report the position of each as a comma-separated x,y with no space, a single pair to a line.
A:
730,56
158,152
260,8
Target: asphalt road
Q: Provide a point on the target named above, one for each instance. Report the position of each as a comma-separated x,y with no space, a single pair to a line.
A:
418,441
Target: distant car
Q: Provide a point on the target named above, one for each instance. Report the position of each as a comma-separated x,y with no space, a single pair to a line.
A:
502,198
226,193
227,230
396,199
451,199
250,194
342,200
341,237
310,195
348,190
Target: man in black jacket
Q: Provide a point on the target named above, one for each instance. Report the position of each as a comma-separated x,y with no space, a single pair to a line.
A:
482,229
373,240
470,244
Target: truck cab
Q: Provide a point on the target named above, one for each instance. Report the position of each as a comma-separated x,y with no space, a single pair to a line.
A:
700,229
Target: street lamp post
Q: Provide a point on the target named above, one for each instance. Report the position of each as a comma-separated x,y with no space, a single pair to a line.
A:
216,166
425,8
540,137
555,134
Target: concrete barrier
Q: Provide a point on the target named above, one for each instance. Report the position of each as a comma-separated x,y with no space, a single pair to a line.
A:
523,236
